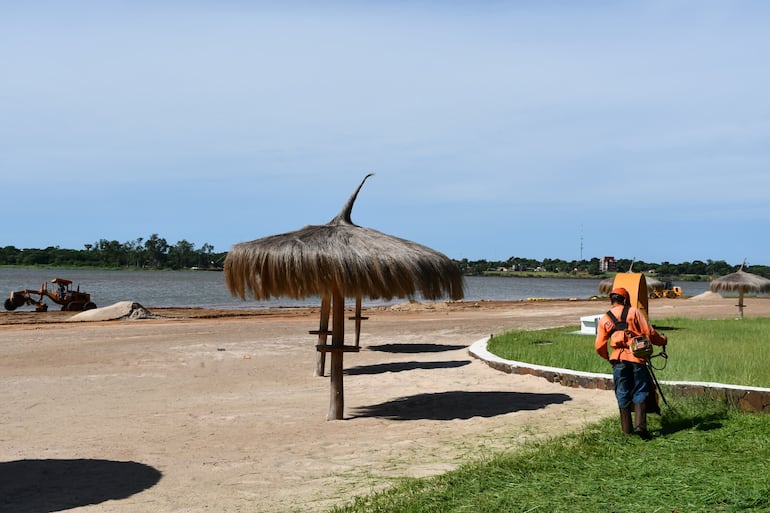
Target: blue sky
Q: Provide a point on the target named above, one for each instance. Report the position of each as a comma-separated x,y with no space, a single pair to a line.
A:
494,129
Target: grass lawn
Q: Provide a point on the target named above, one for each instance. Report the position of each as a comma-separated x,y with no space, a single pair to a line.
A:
704,456
730,351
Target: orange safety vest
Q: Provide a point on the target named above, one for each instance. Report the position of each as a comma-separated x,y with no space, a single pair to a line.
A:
608,333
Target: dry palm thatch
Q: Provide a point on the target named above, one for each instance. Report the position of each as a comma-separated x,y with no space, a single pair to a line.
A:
607,284
337,260
742,282
654,283
341,257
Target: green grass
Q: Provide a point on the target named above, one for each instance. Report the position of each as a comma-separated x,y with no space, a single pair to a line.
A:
703,458
731,351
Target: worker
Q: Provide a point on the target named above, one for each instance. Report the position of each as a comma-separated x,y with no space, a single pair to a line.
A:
633,384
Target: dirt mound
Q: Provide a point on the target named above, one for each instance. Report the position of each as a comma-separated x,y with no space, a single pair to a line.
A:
706,296
123,310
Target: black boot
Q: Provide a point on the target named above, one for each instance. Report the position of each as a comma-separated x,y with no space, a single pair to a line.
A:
625,421
640,413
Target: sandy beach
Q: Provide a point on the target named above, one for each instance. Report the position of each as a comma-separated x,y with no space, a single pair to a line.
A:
220,411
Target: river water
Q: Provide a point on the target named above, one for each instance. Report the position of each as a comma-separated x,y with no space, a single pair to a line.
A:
207,288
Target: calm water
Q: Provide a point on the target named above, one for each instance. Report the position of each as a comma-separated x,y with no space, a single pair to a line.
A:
207,288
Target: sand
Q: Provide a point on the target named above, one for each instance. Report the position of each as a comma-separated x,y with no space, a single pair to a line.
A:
205,411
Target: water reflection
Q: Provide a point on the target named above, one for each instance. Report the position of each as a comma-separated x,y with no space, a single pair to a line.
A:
207,288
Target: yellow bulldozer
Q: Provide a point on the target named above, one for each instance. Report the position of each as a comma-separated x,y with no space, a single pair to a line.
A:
668,291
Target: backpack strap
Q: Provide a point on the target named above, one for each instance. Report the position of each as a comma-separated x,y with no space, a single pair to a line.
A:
621,324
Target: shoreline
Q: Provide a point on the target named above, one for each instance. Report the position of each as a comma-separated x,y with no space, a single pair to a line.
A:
227,411
205,312
202,312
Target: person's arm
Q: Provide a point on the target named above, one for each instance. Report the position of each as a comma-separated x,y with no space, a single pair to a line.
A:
645,328
602,337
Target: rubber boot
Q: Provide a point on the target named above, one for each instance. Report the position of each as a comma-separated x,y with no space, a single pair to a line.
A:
640,414
625,421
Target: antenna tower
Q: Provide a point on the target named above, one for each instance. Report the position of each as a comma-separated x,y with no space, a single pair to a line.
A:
581,242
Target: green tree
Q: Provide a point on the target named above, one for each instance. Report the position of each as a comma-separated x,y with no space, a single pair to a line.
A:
10,255
205,255
157,250
181,255
135,252
110,251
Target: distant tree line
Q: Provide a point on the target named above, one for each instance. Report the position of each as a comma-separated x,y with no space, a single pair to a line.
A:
696,269
155,252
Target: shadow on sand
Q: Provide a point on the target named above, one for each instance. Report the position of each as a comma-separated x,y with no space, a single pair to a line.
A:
42,486
459,405
415,348
380,368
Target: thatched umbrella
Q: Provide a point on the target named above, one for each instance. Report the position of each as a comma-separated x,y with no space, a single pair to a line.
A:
654,284
335,261
743,282
607,284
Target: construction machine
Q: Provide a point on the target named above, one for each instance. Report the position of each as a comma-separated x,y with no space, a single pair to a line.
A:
668,291
62,294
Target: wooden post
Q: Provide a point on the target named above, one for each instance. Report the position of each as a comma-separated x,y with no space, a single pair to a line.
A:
337,400
323,329
740,302
358,318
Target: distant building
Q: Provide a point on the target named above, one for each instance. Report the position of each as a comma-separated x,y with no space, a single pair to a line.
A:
608,264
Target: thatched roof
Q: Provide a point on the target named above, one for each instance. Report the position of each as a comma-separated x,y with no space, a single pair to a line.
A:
606,285
741,281
340,256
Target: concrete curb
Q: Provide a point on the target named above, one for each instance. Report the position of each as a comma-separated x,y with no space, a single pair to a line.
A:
745,398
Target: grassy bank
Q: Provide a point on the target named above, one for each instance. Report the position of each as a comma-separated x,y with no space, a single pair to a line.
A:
729,351
704,458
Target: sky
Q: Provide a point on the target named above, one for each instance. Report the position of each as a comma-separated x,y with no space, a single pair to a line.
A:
536,129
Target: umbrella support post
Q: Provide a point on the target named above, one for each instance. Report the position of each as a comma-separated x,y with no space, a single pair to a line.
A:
337,349
323,331
336,399
358,318
337,259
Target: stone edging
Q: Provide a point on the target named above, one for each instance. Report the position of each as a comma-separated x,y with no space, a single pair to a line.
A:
746,398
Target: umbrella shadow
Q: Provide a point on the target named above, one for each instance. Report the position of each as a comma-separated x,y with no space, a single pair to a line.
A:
43,486
415,348
381,368
454,405
666,328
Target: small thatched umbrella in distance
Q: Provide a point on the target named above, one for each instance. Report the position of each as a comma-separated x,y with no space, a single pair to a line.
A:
607,284
335,261
743,282
654,284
